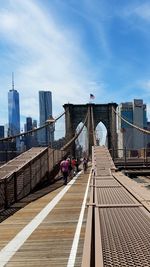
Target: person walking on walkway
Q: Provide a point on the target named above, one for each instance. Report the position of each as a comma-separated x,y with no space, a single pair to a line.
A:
64,167
73,164
85,164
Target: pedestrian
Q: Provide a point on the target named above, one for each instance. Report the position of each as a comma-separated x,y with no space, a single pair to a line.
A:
77,164
84,164
64,167
69,167
73,164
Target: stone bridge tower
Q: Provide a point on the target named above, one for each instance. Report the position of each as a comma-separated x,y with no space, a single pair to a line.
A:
101,112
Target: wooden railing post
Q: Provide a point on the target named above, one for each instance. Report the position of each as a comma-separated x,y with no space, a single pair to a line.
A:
6,195
15,187
30,166
125,157
53,157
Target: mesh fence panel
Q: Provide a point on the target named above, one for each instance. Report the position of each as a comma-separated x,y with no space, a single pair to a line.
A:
34,166
44,164
2,195
35,172
10,189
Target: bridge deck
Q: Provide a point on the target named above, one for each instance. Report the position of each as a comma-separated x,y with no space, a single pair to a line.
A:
48,244
51,231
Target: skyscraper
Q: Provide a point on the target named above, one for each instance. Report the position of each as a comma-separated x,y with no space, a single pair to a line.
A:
13,111
45,109
28,138
1,131
135,113
34,124
29,123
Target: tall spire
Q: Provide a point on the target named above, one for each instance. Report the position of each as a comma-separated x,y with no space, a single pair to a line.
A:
13,86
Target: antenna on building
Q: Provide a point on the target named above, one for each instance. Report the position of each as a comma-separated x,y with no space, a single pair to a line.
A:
13,86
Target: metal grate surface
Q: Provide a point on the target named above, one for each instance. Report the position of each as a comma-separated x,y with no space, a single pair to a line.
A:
106,177
107,183
125,237
114,195
103,172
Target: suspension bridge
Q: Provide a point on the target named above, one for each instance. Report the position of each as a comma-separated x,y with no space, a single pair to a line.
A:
100,218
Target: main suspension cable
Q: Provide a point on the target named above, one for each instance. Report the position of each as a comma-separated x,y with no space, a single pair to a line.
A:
32,131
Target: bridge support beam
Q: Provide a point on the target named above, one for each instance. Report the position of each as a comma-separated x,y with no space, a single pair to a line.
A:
70,131
90,132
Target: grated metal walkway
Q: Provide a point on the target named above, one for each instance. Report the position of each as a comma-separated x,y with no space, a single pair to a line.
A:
121,225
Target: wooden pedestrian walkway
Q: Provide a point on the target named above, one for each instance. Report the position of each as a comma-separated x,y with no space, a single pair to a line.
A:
46,232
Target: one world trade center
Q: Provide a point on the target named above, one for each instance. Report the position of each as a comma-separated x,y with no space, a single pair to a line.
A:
13,111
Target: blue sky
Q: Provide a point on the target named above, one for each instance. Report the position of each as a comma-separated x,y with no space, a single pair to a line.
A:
74,48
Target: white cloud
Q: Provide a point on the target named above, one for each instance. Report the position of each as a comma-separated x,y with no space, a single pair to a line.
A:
8,22
138,13
143,11
97,21
45,56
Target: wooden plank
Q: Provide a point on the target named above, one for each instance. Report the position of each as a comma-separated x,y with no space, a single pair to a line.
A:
50,243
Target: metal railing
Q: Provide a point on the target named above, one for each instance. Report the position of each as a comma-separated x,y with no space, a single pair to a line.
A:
17,181
131,156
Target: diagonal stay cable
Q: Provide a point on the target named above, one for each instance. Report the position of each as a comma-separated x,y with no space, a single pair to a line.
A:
76,135
31,131
131,124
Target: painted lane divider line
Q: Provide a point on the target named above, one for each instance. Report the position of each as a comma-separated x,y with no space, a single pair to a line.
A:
74,248
13,246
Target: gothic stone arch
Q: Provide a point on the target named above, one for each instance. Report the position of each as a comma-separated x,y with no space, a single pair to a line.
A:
102,113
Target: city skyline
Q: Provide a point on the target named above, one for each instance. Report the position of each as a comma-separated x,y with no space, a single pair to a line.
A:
74,49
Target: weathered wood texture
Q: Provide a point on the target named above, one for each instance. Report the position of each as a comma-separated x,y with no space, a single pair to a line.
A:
50,243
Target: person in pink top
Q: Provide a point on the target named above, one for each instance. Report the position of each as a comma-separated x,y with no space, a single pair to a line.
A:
64,167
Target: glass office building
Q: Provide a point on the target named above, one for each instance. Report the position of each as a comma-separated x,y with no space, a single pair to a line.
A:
135,113
13,112
46,136
29,124
1,131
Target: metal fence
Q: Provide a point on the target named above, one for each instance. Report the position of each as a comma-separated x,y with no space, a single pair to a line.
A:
21,175
129,156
